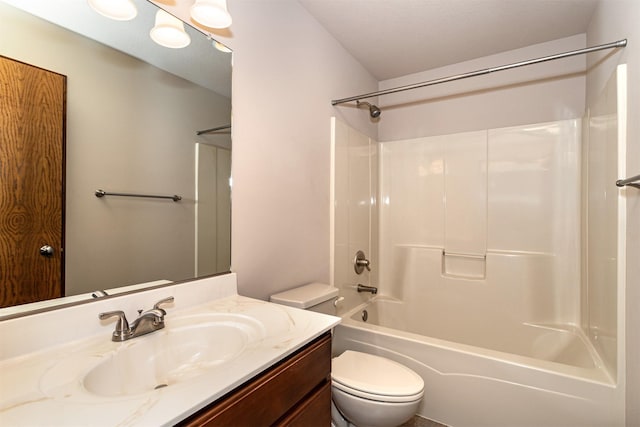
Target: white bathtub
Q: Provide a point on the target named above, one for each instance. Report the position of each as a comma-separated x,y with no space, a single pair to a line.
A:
510,375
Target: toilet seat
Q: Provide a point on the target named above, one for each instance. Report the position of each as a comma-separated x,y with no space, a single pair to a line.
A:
375,378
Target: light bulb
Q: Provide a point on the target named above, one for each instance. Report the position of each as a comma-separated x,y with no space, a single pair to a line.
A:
169,31
211,13
120,10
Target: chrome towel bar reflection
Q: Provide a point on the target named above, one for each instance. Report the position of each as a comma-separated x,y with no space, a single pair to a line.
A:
634,181
102,193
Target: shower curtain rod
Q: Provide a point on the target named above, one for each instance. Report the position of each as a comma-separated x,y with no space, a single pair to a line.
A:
613,45
200,132
634,181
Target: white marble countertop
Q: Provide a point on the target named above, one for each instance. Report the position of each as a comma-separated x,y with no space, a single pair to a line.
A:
46,385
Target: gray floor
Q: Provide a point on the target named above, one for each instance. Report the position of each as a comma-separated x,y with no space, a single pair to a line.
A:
421,422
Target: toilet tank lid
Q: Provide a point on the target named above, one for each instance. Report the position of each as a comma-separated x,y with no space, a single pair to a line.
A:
306,296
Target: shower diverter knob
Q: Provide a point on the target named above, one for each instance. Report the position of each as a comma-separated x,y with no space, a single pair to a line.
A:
361,262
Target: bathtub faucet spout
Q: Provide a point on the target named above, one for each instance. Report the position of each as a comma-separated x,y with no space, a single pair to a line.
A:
365,288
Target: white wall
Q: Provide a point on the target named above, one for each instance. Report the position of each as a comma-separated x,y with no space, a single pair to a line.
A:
611,21
146,148
535,94
286,71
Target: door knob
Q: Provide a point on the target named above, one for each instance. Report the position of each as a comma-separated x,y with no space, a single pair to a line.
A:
46,250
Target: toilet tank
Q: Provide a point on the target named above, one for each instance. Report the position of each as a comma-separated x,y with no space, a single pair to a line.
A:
318,297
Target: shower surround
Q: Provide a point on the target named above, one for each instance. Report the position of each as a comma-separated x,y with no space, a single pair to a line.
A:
492,216
497,257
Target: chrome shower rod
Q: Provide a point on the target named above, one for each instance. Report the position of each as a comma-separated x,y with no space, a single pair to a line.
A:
200,132
613,45
634,181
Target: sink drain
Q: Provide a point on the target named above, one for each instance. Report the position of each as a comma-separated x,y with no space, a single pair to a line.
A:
160,386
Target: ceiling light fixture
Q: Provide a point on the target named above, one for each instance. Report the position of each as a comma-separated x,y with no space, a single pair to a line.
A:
211,13
120,10
169,31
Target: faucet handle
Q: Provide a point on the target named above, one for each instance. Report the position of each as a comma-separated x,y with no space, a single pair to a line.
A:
360,262
122,326
167,300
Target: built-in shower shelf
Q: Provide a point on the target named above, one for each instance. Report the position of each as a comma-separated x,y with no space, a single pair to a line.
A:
464,266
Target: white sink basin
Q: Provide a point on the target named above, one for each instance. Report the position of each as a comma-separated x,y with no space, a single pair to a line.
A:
182,350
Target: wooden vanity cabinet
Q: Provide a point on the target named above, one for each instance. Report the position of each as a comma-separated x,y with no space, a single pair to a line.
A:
294,392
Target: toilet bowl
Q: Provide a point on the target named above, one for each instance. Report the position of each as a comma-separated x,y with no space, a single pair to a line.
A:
372,391
366,390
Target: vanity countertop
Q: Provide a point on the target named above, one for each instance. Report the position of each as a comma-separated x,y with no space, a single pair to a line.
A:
47,385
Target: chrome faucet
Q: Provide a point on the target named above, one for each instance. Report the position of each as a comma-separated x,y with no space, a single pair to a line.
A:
365,288
148,321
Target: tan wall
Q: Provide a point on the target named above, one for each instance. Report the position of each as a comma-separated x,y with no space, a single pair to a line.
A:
213,219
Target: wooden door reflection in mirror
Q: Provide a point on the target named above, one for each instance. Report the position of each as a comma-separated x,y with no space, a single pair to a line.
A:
32,124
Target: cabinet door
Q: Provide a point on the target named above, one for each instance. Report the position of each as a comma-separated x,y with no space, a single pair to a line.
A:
283,389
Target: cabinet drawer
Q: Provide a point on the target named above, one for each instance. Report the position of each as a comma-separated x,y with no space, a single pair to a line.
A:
314,411
267,398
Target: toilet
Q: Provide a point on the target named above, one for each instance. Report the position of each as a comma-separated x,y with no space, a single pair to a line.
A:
366,390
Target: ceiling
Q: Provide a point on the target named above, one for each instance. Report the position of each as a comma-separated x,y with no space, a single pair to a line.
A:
393,38
390,38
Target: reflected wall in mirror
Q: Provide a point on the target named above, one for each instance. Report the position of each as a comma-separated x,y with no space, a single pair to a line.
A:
132,115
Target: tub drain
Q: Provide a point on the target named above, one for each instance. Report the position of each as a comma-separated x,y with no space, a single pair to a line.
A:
365,315
160,386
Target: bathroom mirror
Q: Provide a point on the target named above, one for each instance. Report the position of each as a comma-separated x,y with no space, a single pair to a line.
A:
133,110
